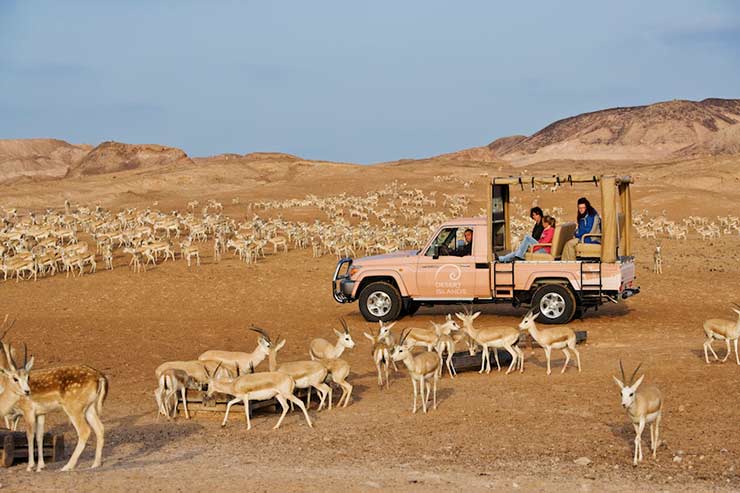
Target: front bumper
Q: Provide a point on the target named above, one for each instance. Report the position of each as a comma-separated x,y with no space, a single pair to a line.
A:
341,285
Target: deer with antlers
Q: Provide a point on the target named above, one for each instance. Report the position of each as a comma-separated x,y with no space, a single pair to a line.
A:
644,405
422,368
323,349
720,329
257,387
77,390
561,337
241,360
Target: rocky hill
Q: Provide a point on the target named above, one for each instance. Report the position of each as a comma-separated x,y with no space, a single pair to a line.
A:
661,131
111,157
37,159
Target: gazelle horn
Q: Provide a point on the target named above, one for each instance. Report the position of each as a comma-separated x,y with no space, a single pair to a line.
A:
632,378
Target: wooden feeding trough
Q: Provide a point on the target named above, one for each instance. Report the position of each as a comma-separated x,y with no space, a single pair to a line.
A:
463,361
15,446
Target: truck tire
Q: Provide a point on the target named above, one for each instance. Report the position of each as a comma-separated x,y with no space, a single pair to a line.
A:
380,301
555,303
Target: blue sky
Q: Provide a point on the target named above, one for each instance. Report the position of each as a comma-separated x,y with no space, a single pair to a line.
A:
348,81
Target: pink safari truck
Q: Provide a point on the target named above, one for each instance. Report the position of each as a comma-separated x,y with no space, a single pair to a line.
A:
445,271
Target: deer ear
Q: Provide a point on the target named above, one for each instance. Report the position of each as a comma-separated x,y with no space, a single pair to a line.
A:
618,382
476,315
460,316
637,383
29,365
394,323
280,345
736,311
368,336
339,334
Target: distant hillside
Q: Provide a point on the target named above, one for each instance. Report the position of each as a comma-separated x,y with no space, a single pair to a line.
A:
668,130
111,157
37,159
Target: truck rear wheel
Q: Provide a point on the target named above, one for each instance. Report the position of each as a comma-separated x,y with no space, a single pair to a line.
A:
555,303
380,301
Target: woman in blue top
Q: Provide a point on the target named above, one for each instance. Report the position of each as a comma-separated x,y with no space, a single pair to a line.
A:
588,222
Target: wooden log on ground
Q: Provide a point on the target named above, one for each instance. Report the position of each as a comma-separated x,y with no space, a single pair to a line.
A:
15,446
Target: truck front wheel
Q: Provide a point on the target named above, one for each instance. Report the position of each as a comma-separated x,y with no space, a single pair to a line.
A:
555,303
380,301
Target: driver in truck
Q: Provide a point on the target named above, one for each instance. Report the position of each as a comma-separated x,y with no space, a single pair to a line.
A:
467,248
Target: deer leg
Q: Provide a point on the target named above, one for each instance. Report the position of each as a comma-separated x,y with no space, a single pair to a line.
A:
547,356
228,408
30,434
40,441
387,378
435,394
300,405
712,349
424,394
83,433
413,382
567,359
521,358
727,343
657,434
483,355
348,391
737,358
638,441
184,393
380,374
578,357
495,356
94,421
284,404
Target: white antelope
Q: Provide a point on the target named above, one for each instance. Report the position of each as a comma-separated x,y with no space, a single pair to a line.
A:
172,381
77,390
494,338
720,329
323,349
562,337
427,336
306,374
381,353
241,360
258,387
338,372
657,260
422,367
644,405
188,251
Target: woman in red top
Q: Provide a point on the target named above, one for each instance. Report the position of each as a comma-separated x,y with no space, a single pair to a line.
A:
547,235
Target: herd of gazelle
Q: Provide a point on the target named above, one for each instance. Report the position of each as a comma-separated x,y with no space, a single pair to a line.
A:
80,390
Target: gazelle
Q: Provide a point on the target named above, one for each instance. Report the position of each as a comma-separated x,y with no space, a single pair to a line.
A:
258,387
77,390
644,405
197,370
306,374
720,329
427,336
562,337
657,260
323,349
188,251
172,381
422,367
494,338
338,373
241,360
381,353
445,344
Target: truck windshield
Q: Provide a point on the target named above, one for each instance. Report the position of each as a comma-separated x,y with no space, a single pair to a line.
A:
449,241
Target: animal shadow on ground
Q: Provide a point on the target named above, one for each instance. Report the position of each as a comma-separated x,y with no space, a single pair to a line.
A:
150,437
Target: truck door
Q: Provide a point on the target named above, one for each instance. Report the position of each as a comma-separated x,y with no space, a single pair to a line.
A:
447,269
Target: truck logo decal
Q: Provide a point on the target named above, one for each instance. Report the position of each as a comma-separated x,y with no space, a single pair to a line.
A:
447,280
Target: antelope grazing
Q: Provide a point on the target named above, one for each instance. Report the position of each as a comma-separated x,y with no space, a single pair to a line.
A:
494,338
77,390
657,260
381,353
305,374
172,381
421,368
258,387
241,360
323,349
197,370
427,336
644,405
563,338
720,329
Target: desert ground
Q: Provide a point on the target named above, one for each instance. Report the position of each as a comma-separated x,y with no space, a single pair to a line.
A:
517,431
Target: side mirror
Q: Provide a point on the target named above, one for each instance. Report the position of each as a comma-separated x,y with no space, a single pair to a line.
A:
435,251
